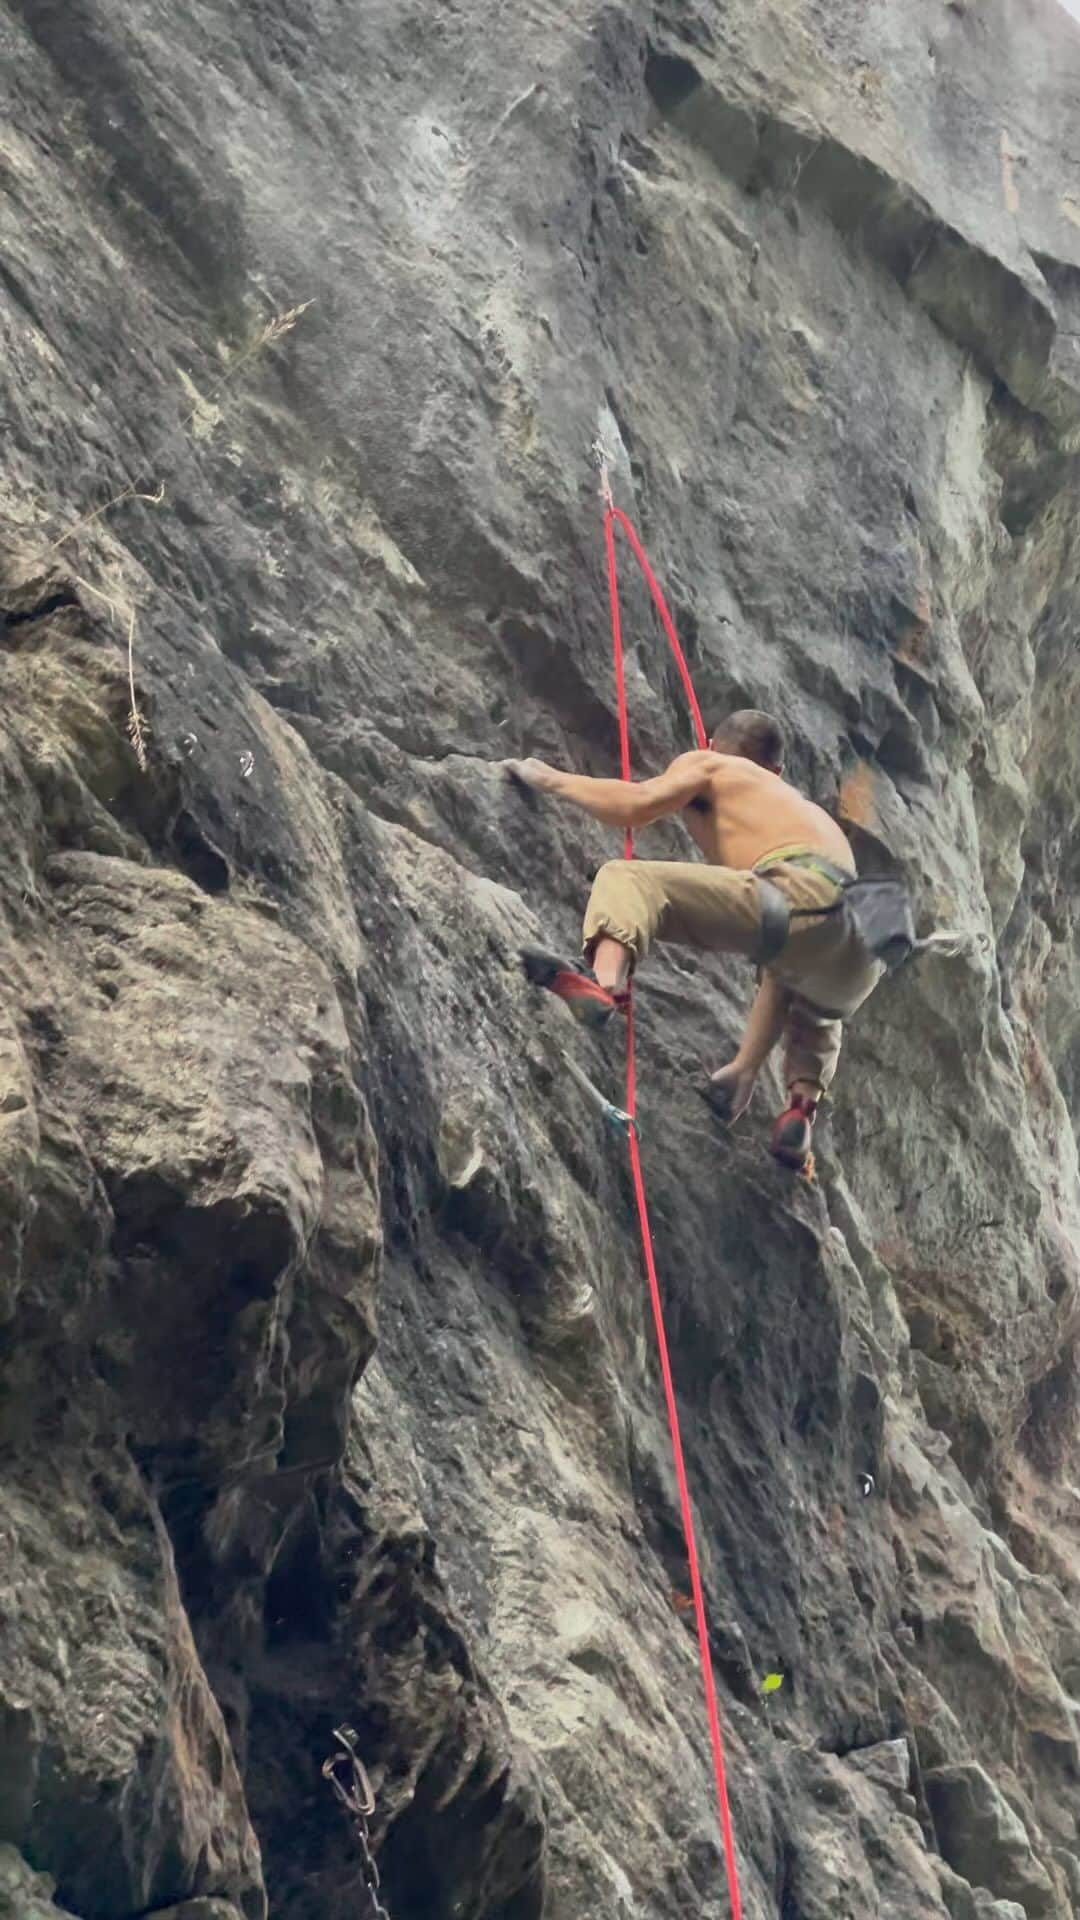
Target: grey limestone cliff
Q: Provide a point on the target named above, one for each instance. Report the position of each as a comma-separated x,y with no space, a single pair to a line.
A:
327,1387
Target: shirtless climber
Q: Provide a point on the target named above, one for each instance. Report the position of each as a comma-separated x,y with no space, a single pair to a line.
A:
776,864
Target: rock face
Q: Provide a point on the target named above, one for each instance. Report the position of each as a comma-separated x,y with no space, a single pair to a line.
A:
328,1389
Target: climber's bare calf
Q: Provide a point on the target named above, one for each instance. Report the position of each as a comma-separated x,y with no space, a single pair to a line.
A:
611,963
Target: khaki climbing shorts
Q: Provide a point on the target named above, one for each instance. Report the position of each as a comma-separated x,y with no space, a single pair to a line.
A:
822,967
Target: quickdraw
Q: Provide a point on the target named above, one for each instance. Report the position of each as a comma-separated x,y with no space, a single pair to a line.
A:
619,1121
349,1779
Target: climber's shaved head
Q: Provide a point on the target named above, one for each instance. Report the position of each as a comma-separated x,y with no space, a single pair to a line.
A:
752,736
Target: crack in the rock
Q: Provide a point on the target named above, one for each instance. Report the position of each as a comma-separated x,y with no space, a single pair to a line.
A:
52,604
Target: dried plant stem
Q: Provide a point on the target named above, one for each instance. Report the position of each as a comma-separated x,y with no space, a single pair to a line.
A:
88,519
136,723
137,726
274,329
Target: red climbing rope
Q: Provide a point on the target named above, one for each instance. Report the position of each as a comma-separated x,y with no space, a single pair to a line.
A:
612,515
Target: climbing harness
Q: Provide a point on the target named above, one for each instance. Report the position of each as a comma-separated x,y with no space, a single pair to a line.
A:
877,910
614,517
879,918
348,1777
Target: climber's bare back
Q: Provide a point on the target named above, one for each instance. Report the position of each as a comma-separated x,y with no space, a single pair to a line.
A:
743,813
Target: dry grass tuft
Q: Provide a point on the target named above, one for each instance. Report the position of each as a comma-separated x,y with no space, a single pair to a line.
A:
284,323
88,519
124,610
136,725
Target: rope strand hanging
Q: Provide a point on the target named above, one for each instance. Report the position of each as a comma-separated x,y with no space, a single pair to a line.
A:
614,517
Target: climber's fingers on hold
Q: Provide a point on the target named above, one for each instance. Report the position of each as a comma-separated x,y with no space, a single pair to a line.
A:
728,1092
528,776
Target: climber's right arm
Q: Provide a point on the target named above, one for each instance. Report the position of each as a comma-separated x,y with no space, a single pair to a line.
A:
622,803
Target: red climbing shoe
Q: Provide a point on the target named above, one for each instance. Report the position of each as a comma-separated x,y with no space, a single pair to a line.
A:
587,1000
792,1133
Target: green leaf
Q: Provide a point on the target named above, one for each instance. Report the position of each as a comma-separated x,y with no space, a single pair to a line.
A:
772,1683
